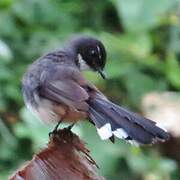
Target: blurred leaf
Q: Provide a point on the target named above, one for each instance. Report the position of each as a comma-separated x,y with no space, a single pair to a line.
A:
174,45
137,44
139,84
13,93
5,52
151,163
5,3
6,135
173,70
5,74
138,15
167,166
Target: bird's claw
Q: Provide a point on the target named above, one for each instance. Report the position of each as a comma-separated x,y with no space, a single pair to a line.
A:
70,127
54,132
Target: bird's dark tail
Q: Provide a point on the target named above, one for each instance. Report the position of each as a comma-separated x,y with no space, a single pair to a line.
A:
112,120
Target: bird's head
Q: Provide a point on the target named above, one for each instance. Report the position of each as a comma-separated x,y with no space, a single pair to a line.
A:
91,54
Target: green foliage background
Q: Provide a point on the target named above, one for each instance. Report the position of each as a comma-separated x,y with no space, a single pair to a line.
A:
142,38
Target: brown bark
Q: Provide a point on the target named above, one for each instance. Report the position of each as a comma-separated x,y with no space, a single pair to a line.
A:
65,158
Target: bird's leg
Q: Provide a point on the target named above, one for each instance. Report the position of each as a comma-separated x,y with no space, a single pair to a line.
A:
54,131
70,126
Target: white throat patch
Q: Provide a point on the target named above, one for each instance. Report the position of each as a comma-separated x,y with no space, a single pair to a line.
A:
82,64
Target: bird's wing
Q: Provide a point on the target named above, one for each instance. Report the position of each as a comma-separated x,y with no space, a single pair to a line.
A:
64,85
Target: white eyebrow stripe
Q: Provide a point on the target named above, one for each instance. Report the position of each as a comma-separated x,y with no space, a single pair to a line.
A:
99,52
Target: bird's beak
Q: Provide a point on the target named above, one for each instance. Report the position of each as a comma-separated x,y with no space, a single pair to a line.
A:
102,73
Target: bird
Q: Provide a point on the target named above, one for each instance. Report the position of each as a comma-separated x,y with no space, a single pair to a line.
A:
56,91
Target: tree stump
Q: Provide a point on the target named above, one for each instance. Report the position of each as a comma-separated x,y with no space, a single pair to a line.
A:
65,158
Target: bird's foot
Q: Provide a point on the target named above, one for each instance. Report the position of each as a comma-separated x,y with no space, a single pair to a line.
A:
70,127
53,133
55,130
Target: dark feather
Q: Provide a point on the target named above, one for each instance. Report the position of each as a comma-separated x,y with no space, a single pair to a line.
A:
55,93
69,89
138,128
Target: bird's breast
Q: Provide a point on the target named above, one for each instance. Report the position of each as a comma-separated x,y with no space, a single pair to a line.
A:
50,112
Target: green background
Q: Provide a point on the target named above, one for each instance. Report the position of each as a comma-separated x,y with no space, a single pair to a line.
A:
142,38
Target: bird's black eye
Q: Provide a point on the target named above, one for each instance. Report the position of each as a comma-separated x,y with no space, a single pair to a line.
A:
92,52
